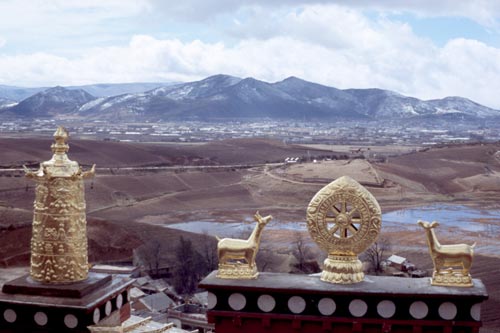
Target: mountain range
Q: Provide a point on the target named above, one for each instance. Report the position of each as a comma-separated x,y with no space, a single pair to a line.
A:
224,97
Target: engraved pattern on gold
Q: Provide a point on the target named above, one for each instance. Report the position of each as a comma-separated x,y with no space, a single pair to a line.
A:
237,256
59,231
344,219
452,262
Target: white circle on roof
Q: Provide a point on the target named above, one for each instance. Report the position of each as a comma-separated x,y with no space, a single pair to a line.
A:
386,309
96,316
266,303
358,308
70,321
296,304
475,312
41,318
10,315
327,306
212,300
107,308
237,301
419,310
119,301
447,310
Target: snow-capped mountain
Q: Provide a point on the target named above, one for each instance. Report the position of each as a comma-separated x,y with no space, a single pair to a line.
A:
224,97
51,102
378,103
198,89
462,106
219,97
98,90
113,89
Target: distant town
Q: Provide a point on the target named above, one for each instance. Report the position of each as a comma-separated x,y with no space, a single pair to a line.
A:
343,132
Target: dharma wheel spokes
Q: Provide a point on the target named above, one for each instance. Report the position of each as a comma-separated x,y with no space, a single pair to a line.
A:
343,220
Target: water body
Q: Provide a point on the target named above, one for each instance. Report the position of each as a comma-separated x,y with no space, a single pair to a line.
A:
449,216
468,223
233,229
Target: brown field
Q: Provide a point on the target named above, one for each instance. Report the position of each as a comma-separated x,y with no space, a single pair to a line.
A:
128,207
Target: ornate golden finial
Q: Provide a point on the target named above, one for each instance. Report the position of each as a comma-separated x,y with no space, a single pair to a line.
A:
232,253
446,257
59,236
60,147
344,219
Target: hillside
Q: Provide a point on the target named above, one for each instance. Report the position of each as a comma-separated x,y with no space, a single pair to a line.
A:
224,98
127,207
50,102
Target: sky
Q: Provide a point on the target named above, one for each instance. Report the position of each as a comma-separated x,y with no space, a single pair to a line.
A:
427,49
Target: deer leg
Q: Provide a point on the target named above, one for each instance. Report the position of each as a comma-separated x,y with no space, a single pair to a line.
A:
222,257
248,257
438,264
466,263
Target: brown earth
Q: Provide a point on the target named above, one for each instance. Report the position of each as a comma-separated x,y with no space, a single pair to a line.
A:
128,207
15,152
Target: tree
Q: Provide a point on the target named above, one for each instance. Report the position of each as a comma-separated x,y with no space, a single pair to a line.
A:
267,259
304,256
209,249
149,255
374,254
190,267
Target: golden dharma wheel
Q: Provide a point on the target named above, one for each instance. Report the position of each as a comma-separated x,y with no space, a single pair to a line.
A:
344,219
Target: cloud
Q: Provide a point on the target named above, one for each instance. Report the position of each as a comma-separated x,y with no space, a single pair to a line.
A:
329,44
2,41
410,66
64,25
484,12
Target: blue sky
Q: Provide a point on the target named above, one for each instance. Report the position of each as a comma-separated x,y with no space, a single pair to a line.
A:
427,49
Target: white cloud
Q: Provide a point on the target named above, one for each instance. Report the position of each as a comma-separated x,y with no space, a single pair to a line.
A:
2,41
485,12
462,67
332,45
65,25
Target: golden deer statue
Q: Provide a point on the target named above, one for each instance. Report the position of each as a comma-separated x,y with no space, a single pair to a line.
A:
232,252
445,257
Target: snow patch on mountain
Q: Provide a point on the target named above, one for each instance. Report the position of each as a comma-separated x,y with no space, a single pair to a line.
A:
447,111
182,93
91,104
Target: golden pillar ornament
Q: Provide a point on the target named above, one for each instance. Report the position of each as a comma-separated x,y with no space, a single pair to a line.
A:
59,234
344,219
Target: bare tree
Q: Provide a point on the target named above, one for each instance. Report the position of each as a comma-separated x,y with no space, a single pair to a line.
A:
209,249
374,254
149,255
267,259
304,256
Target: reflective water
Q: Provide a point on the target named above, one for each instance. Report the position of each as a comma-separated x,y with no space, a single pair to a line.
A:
449,216
458,216
233,229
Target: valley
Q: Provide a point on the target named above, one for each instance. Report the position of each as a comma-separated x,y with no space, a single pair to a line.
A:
150,192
